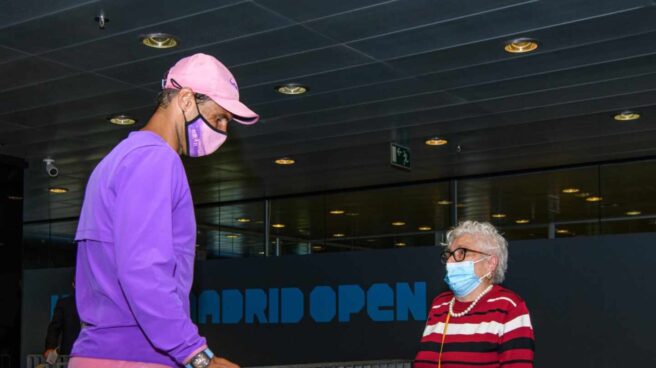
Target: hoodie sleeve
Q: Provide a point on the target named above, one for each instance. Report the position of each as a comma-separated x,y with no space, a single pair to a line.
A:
146,187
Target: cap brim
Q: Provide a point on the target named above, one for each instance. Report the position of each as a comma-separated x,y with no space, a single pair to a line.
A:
240,113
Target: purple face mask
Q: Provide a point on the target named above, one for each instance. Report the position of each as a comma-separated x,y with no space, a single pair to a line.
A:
202,138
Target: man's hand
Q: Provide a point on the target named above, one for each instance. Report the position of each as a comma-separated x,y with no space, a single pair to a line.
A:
47,352
222,363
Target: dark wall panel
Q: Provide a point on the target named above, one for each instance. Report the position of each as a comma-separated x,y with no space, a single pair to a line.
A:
590,300
11,231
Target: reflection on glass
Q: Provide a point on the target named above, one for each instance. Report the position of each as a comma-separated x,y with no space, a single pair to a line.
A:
533,206
607,199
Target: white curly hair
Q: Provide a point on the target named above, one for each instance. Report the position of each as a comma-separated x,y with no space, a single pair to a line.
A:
490,240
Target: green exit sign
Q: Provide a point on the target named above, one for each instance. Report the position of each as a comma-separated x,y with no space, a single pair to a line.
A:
400,156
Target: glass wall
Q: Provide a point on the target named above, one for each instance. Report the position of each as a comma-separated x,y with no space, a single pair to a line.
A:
230,231
584,201
537,205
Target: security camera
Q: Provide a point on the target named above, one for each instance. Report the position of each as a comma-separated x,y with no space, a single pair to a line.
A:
51,169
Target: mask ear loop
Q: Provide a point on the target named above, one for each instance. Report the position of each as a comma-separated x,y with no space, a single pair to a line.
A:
187,122
178,86
487,275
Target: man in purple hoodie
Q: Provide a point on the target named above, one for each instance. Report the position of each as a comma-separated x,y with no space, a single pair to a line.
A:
137,232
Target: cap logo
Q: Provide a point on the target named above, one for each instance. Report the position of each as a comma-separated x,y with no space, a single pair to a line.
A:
234,83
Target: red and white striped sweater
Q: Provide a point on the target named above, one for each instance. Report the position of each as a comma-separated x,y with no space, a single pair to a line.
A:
497,332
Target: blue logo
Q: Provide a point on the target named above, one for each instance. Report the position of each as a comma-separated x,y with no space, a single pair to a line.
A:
379,302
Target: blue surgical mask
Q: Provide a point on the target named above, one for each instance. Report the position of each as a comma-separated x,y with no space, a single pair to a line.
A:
461,277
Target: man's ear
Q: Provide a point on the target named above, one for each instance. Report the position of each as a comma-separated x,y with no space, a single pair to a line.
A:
185,99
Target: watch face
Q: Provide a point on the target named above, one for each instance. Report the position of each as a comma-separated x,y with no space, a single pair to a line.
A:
201,360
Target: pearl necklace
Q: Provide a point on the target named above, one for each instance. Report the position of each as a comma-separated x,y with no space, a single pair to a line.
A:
471,306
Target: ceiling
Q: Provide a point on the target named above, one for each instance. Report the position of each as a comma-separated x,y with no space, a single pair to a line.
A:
378,72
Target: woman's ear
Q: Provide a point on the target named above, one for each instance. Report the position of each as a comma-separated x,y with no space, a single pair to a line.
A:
492,265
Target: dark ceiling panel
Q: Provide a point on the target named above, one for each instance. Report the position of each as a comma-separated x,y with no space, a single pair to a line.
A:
14,12
14,77
438,121
482,36
324,82
474,91
93,129
300,11
443,72
295,66
98,124
55,30
193,31
379,108
97,102
234,52
24,136
77,25
41,149
400,15
583,66
317,103
8,127
7,54
59,91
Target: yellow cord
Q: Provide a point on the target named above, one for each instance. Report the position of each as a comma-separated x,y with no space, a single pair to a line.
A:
446,324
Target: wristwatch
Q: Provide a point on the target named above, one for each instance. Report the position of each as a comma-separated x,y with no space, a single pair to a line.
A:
201,360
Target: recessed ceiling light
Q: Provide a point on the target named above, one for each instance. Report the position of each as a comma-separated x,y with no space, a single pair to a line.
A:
292,89
398,223
436,141
522,221
571,190
499,215
243,220
232,236
121,119
634,213
337,212
444,202
400,244
15,198
521,45
278,226
317,247
582,195
261,252
58,190
594,199
425,228
285,161
627,115
159,40
338,235
562,231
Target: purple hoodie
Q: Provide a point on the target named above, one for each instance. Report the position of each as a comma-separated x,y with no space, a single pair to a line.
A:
136,243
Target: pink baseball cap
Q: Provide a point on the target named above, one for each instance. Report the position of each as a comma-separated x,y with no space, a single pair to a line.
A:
205,74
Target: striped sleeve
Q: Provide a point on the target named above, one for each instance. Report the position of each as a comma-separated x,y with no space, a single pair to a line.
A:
516,341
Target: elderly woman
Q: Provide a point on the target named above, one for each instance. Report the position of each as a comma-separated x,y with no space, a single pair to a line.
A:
478,323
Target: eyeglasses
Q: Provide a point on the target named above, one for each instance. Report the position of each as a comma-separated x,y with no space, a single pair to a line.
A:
458,254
